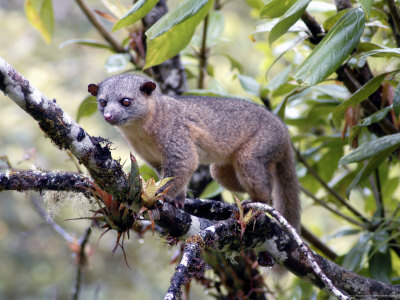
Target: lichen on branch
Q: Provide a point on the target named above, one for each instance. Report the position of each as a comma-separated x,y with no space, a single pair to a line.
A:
65,132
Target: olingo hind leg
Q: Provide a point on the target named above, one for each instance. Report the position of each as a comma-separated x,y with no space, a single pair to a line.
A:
255,176
226,176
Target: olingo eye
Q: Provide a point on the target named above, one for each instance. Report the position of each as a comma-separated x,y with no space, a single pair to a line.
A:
126,102
102,103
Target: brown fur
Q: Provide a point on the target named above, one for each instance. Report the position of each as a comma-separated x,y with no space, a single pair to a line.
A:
247,147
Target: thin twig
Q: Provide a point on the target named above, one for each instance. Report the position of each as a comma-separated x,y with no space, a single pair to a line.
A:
57,228
316,30
34,180
172,68
203,56
396,34
375,183
394,12
82,260
100,28
328,188
331,209
346,75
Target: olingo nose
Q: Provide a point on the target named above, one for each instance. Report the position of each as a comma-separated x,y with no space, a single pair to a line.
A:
108,116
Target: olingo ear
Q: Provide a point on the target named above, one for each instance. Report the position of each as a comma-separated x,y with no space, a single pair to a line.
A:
148,87
93,88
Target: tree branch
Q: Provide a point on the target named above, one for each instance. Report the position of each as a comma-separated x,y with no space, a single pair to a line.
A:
100,28
395,14
212,210
317,33
203,56
266,234
170,74
191,261
81,258
65,132
352,79
39,181
304,250
82,261
346,75
396,33
263,233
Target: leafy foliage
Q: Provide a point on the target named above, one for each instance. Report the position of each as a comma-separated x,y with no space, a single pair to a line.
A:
40,15
137,12
174,31
347,68
333,49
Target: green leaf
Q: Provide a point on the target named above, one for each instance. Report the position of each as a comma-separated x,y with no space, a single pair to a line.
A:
378,14
383,52
396,100
334,48
281,108
255,3
275,8
40,15
330,22
235,64
147,172
372,164
117,62
344,232
288,19
371,148
174,31
370,49
135,13
367,6
86,42
381,238
211,190
249,84
380,266
283,89
87,107
361,94
368,46
353,260
375,117
279,79
215,27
